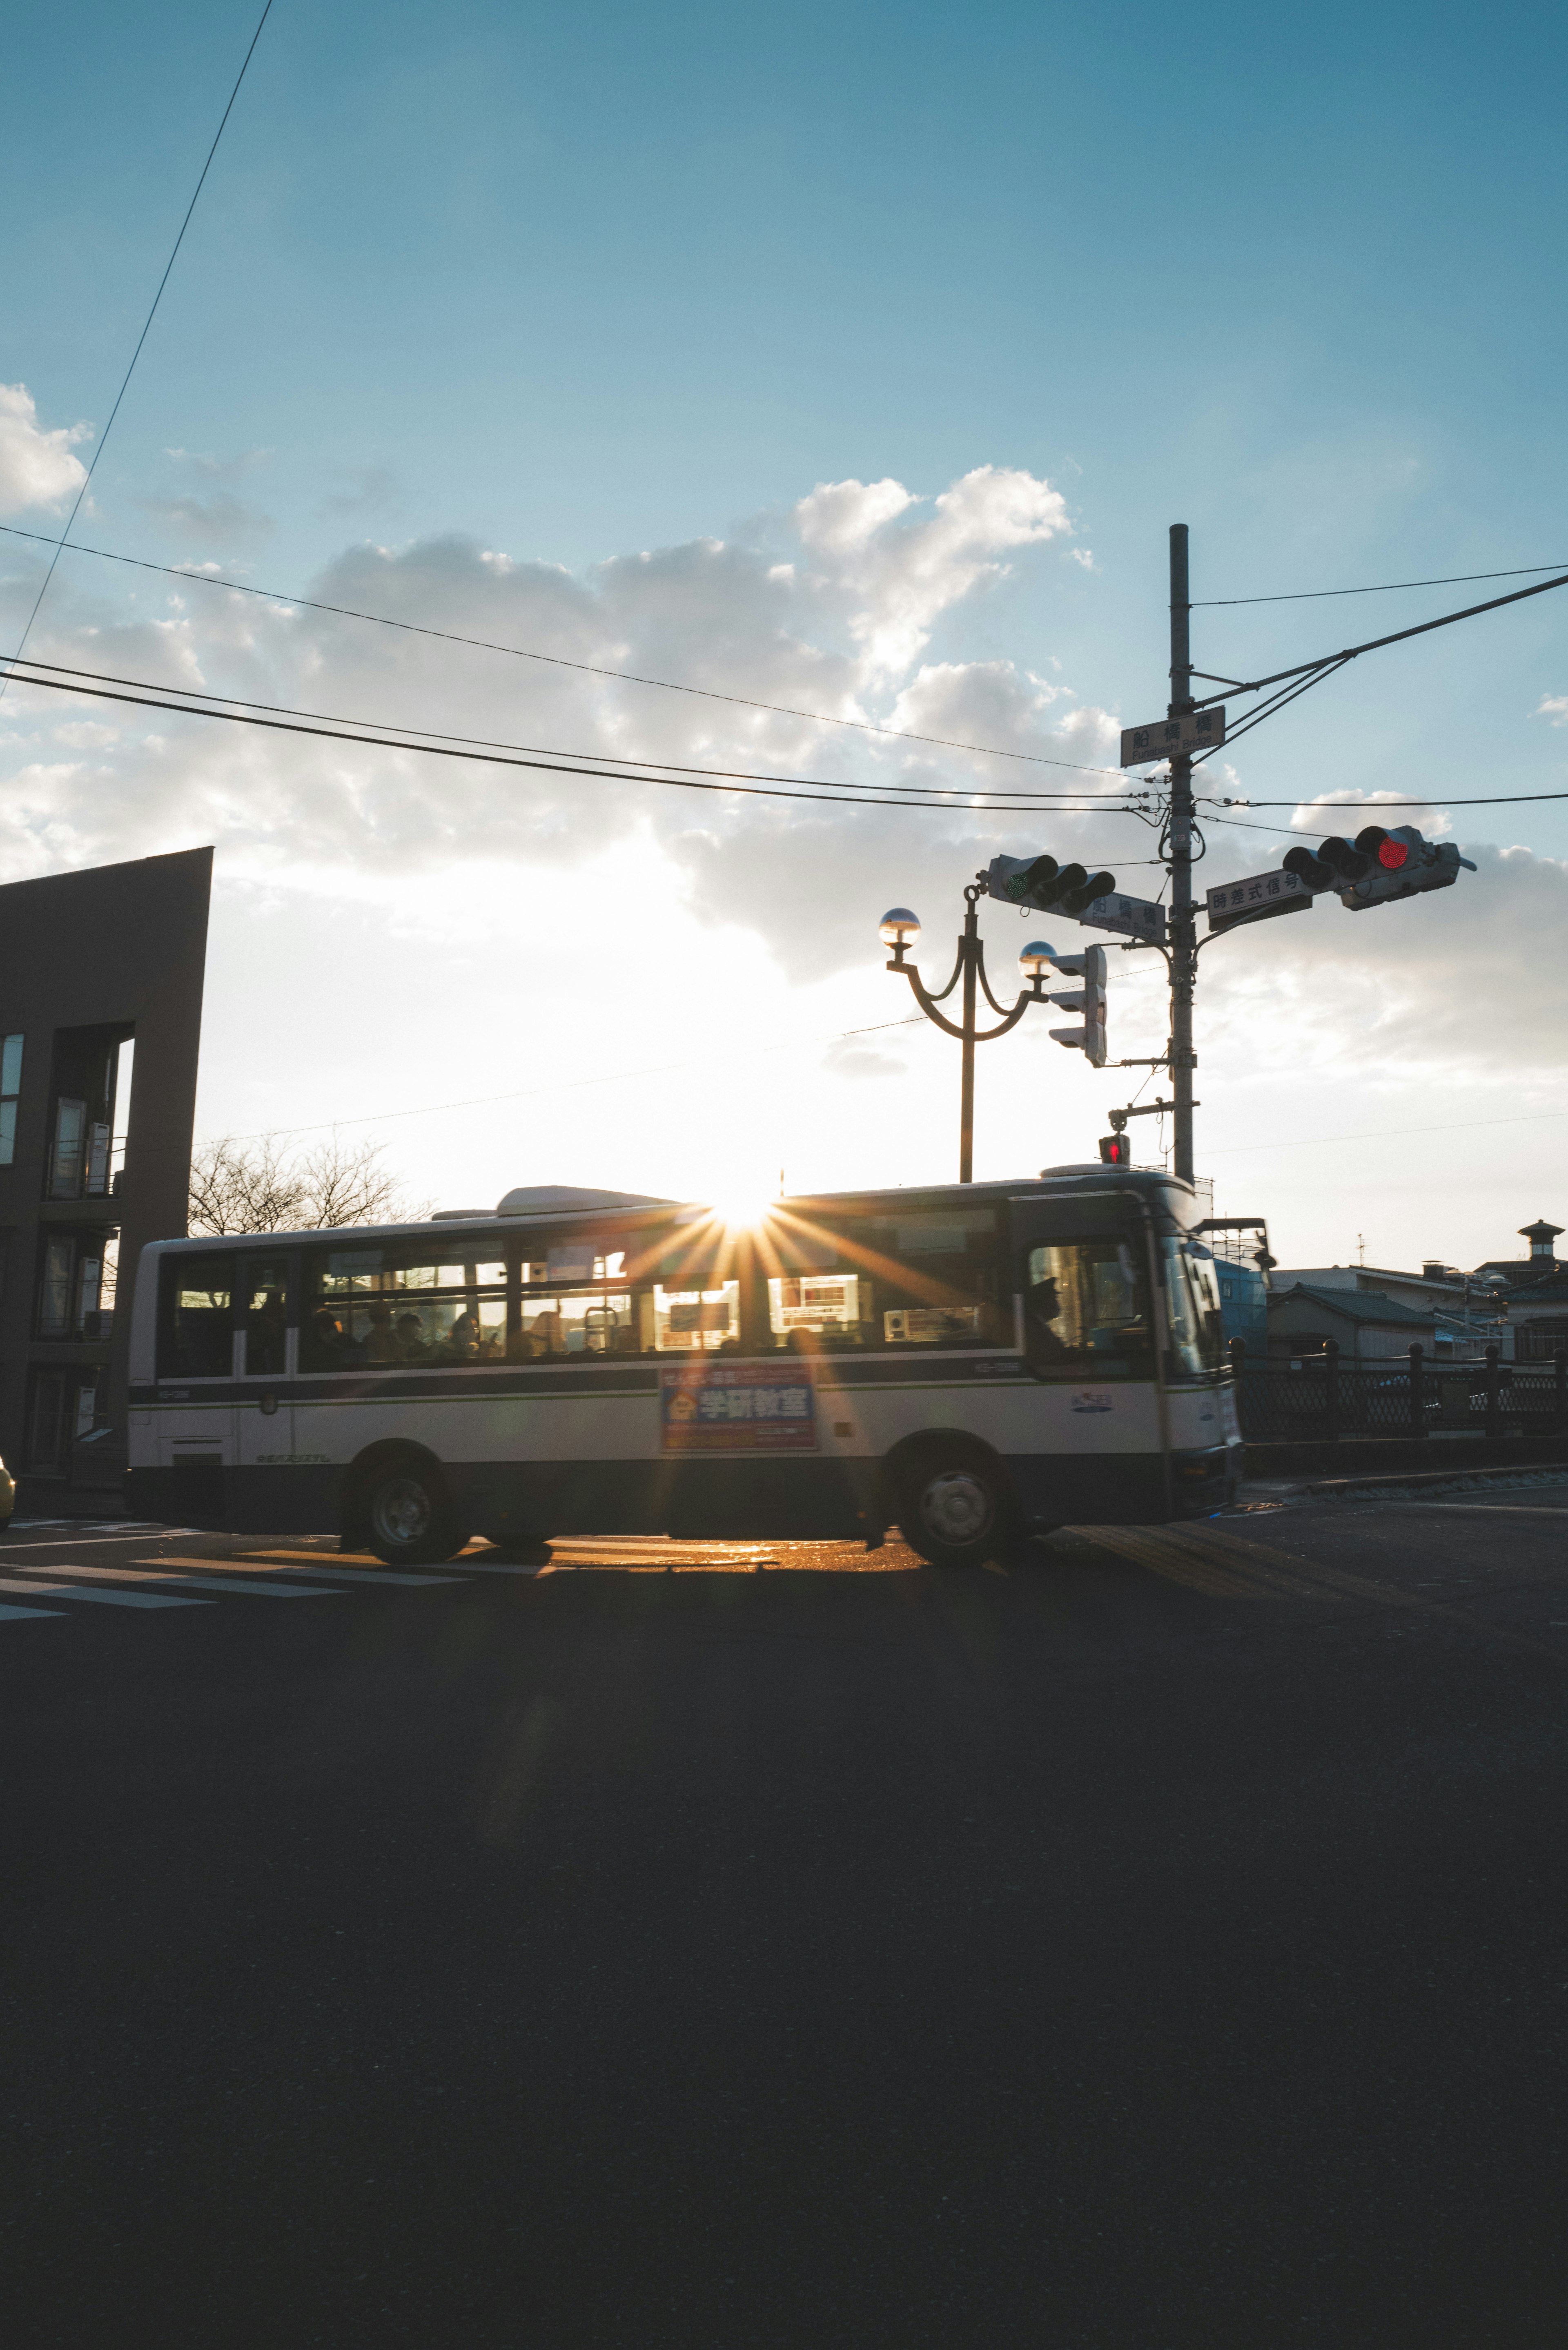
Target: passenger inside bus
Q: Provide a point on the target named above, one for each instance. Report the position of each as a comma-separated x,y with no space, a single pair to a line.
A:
326,1340
382,1342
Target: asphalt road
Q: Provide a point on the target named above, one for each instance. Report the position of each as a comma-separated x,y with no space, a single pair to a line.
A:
1159,1942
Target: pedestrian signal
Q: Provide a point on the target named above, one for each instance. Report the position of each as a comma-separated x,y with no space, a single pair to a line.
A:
1115,1150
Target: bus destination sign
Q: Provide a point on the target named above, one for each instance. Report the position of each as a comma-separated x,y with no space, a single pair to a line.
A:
728,1406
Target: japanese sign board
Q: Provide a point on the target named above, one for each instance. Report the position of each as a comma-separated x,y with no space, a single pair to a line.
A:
1259,895
1141,918
1199,730
711,1405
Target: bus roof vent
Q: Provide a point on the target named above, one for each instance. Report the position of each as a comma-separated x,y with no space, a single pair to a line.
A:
564,1198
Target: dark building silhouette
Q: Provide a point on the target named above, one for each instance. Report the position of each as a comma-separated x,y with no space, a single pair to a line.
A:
100,1023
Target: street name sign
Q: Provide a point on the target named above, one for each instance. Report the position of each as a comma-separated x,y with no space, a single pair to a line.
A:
1199,730
1138,918
1256,898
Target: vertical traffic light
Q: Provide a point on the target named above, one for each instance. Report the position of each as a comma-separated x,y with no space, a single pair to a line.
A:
1089,999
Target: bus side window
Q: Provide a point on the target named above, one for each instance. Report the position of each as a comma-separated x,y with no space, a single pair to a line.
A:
1086,1310
195,1339
890,1278
390,1307
574,1297
264,1305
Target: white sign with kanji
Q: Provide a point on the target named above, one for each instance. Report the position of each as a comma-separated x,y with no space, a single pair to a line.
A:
1199,730
1260,893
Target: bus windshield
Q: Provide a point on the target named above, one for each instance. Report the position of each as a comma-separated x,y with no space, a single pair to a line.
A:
1192,1306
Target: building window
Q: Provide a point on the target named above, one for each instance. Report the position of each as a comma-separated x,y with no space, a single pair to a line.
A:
70,1142
54,1294
10,1087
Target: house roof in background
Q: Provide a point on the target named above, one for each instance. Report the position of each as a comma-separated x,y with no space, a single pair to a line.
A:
1360,1306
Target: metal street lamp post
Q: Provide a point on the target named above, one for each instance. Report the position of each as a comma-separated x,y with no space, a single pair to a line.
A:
900,930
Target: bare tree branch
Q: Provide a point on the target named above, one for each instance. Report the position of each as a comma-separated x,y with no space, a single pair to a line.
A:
258,1188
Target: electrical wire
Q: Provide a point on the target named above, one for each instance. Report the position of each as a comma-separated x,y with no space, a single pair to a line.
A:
1431,799
1397,637
1277,700
1384,588
1388,1133
574,1085
195,697
555,660
825,795
146,330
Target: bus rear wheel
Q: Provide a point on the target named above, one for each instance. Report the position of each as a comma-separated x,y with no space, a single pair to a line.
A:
411,1520
955,1509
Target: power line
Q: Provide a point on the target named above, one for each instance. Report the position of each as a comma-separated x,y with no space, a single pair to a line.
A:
195,697
555,660
1388,1133
1384,588
147,327
1430,799
1375,644
574,1085
824,794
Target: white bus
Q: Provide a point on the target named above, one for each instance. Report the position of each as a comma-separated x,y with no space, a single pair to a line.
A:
975,1363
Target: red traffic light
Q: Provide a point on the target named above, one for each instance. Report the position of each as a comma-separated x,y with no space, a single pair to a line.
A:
1114,1150
1390,851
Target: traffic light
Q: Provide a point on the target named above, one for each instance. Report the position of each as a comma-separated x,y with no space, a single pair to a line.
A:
1378,865
1115,1150
1042,882
1089,999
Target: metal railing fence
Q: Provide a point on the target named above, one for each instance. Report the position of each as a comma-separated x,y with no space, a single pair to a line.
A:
1322,1396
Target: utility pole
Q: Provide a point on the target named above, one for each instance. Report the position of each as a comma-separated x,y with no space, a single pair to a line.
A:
1183,924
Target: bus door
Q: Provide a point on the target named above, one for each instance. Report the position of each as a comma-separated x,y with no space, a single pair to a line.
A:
265,1336
196,1398
1085,1303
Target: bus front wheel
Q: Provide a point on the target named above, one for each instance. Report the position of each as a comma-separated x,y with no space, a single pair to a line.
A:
411,1520
955,1509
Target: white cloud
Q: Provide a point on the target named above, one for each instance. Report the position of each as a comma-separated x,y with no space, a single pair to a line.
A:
36,468
1312,815
1452,988
809,625
795,888
1555,707
898,575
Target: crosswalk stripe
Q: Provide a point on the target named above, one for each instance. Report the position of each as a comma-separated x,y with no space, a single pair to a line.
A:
9,1614
82,1533
200,1582
346,1575
103,1598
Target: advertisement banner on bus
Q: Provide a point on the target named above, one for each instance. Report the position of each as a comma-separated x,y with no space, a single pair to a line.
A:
711,1407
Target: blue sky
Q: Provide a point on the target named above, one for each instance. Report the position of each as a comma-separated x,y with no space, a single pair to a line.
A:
574,287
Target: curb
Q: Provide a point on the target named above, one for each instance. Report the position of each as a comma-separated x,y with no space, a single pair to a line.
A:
1328,1487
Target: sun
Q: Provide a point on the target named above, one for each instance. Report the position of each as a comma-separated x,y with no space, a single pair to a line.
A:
742,1212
